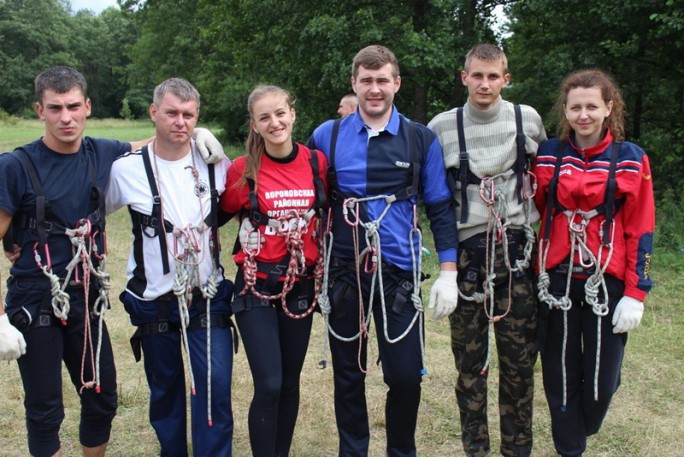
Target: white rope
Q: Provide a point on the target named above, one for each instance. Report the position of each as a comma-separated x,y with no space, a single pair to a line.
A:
209,292
595,282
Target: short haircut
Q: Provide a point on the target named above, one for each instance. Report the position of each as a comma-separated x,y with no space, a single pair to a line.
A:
179,87
60,80
486,52
374,57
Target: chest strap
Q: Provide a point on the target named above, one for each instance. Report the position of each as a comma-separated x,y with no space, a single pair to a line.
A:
461,177
257,217
43,222
610,206
155,220
337,196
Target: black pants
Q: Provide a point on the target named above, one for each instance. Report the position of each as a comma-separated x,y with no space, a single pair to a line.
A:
276,346
401,363
582,414
48,343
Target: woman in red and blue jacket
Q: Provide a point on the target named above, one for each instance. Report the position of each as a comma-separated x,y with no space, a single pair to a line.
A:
595,195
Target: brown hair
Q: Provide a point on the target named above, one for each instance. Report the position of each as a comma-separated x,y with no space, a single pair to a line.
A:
374,57
609,92
488,53
60,80
255,146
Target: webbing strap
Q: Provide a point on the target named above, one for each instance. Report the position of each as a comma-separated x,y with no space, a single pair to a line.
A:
335,193
611,188
412,190
214,224
521,164
610,204
42,226
553,189
156,207
255,215
24,157
463,165
465,176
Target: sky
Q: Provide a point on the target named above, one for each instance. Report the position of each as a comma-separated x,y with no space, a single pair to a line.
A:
96,5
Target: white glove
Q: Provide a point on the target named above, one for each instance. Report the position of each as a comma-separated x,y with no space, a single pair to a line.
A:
250,238
208,146
444,294
627,314
12,344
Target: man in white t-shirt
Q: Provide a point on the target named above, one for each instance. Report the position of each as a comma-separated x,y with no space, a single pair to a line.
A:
176,294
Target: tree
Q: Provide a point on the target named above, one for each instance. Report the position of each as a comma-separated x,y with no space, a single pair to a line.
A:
35,36
639,42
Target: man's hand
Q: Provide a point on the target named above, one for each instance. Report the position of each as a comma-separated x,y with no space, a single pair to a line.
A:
627,314
13,255
250,238
208,146
12,343
444,294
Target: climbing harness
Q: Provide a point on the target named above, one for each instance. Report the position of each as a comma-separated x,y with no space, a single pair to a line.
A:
597,264
190,245
369,257
85,237
293,225
496,201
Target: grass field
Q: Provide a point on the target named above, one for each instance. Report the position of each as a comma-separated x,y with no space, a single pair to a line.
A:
646,418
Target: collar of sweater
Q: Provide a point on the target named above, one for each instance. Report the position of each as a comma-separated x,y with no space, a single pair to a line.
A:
483,116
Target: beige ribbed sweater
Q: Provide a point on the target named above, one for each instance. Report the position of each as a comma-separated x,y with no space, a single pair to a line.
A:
490,142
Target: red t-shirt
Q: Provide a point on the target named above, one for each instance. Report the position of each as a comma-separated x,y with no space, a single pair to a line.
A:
282,185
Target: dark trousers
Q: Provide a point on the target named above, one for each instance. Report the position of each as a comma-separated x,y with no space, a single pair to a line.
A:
515,346
401,364
49,343
276,346
166,377
582,415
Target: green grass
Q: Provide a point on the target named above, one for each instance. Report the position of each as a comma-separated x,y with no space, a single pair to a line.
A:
644,420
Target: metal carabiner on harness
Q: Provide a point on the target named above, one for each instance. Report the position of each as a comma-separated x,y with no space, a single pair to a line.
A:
530,179
578,227
38,259
487,184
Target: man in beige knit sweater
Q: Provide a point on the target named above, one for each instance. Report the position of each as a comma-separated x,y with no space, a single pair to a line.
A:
487,146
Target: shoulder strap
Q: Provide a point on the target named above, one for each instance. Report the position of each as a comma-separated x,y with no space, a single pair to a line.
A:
41,202
463,165
214,224
521,163
320,200
611,206
553,189
413,188
156,208
335,194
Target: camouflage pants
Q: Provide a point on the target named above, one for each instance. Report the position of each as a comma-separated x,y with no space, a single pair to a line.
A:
515,345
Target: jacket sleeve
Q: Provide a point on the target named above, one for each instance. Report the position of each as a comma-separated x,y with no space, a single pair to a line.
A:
639,224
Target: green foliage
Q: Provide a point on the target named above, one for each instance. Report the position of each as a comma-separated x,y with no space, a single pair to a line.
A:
39,34
126,112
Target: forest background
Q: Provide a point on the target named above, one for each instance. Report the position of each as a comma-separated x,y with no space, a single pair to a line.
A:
225,48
